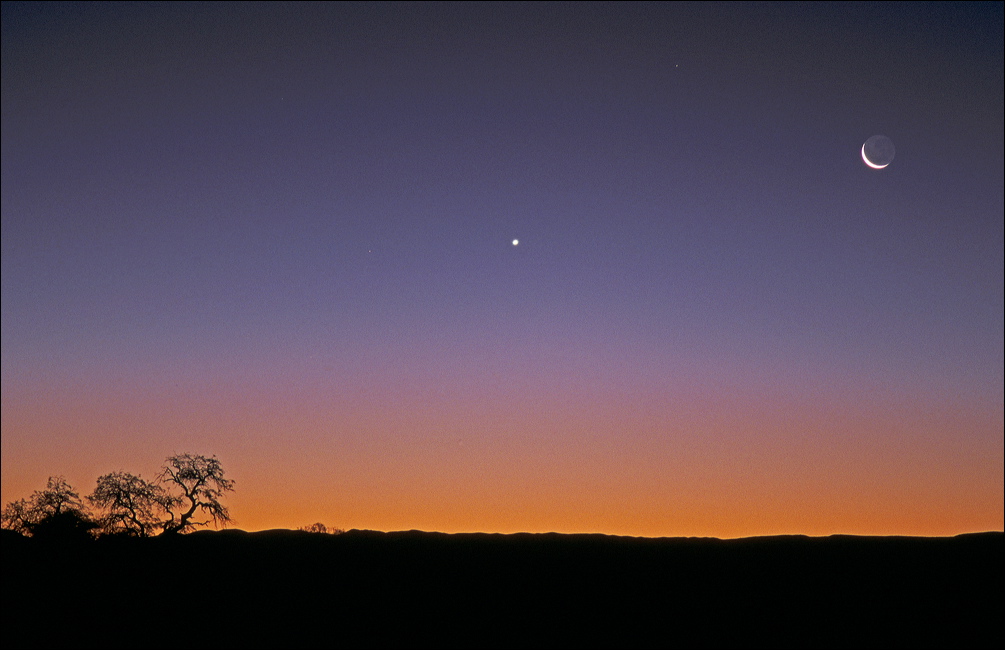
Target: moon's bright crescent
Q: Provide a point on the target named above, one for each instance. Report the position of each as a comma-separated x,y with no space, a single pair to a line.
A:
866,160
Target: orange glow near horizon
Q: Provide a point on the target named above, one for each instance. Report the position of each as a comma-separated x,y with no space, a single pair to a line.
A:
627,465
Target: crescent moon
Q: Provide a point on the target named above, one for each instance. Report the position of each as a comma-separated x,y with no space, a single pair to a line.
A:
866,160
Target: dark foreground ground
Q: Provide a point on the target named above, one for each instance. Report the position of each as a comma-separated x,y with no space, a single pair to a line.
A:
282,589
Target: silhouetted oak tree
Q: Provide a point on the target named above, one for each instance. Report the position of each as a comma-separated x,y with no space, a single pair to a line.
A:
132,505
321,529
202,484
56,511
18,516
187,485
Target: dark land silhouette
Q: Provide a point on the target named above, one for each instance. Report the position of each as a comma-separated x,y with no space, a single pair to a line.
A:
281,588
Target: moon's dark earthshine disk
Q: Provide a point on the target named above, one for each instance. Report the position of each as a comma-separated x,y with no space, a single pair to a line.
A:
878,151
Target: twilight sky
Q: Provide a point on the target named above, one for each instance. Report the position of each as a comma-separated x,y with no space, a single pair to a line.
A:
282,234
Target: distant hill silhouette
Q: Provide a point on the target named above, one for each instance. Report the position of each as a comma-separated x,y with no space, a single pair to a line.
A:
412,589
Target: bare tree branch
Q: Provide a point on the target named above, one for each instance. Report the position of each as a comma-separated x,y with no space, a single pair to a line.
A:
56,511
131,505
202,485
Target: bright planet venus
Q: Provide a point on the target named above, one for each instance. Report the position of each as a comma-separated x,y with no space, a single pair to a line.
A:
878,151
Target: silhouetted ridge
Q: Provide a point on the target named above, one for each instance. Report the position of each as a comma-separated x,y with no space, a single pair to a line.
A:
361,588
